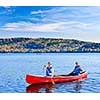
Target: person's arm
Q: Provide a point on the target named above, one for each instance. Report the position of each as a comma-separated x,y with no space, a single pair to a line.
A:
52,72
44,67
81,68
74,69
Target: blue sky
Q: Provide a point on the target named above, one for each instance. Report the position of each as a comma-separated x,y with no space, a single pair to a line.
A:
75,22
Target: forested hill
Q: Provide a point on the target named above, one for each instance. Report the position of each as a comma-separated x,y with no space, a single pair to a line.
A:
46,45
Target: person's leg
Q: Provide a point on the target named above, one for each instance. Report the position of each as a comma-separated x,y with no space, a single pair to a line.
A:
72,74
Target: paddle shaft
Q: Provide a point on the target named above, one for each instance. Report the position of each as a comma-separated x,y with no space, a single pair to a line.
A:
52,81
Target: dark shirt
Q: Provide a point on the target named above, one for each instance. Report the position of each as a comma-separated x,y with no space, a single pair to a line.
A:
77,70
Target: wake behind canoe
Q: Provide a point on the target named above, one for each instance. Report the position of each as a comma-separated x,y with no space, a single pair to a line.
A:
30,79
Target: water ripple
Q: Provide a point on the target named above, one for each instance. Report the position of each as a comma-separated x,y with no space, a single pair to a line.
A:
14,67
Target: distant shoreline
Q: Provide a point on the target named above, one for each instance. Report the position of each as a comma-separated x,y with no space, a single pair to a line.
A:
47,45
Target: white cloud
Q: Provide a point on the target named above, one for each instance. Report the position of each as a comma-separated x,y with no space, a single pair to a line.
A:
65,13
85,12
36,12
40,12
7,10
51,27
6,7
57,20
49,11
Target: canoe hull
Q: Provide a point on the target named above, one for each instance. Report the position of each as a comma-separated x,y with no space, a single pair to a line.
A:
30,79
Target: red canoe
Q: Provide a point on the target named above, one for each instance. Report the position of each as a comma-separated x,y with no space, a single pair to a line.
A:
59,78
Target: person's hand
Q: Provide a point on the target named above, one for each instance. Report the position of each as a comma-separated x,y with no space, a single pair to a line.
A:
44,68
50,73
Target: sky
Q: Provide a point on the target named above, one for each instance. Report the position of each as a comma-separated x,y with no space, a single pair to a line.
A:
68,22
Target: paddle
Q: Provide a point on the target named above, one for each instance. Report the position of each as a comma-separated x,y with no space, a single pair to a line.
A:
52,81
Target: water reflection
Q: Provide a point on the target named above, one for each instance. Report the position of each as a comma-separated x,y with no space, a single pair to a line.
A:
50,88
38,88
78,86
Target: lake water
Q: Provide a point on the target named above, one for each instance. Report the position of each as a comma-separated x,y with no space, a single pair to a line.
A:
15,66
